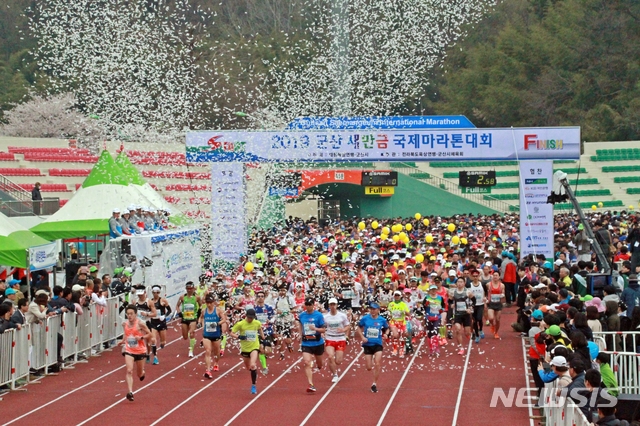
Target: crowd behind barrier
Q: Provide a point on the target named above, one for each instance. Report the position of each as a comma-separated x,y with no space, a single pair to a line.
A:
35,346
557,414
624,348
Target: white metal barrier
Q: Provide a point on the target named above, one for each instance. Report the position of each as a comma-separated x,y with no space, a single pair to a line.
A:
624,348
35,346
561,411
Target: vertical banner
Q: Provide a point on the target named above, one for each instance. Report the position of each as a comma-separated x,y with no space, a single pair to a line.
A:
228,226
536,216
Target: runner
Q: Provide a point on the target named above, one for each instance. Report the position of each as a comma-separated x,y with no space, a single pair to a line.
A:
338,329
265,314
463,303
215,324
159,322
399,311
434,307
146,311
371,328
190,304
494,307
133,347
248,331
285,305
478,310
310,326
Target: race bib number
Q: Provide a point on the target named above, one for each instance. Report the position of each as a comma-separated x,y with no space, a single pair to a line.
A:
132,342
334,324
211,327
309,329
372,333
397,314
189,311
434,308
495,298
251,335
348,294
262,317
461,306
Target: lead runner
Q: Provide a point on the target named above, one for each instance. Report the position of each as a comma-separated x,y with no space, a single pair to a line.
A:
371,327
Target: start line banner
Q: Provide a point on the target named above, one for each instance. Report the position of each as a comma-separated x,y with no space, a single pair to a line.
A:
538,143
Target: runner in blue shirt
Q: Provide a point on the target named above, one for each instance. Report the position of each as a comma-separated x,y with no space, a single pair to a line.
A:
370,330
264,314
310,328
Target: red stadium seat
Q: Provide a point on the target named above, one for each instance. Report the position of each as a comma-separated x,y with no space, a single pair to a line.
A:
20,172
7,156
69,172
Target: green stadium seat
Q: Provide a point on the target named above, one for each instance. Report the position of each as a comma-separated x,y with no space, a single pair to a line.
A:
420,175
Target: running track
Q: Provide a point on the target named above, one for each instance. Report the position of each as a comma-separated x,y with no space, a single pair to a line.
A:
416,390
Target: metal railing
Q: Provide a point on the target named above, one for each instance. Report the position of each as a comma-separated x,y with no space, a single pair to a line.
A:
560,411
624,349
46,207
14,190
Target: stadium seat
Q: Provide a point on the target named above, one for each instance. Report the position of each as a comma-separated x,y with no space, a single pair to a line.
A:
187,187
49,150
7,156
20,172
69,172
46,187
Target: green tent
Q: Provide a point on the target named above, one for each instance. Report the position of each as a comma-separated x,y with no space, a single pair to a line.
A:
88,211
14,243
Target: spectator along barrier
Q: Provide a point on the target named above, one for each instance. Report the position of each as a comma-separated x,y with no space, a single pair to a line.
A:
36,346
561,411
624,348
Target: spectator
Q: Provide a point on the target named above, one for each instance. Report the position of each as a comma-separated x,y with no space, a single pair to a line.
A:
6,310
11,296
576,371
36,198
115,230
631,295
580,347
560,367
18,316
15,284
37,311
610,294
613,324
608,378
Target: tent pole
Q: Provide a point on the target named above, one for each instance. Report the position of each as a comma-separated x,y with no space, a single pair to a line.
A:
86,259
28,275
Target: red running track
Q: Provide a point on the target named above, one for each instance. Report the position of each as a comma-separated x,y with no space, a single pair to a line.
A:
422,390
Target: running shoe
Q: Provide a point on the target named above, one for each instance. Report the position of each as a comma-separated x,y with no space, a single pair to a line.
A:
449,335
461,351
311,389
190,354
155,360
254,390
221,353
265,371
290,348
216,368
334,379
201,344
207,374
482,334
394,352
487,323
495,336
281,357
477,340
148,359
142,377
130,396
374,388
493,329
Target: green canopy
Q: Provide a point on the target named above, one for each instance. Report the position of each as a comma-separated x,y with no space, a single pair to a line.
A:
14,243
129,170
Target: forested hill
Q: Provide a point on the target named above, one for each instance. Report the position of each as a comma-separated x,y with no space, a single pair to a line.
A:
527,63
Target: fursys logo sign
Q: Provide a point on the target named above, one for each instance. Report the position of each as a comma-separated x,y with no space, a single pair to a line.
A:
538,181
532,142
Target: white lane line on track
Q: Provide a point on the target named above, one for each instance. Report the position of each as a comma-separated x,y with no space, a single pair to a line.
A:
262,393
330,389
74,390
464,374
141,389
195,394
526,380
413,358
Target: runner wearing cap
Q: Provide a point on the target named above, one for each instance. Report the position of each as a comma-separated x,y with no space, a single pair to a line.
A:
399,311
338,328
285,306
215,324
146,310
248,331
134,350
159,322
371,329
494,306
265,314
188,305
311,325
444,293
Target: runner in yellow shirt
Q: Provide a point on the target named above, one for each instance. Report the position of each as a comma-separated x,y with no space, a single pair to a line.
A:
247,331
399,312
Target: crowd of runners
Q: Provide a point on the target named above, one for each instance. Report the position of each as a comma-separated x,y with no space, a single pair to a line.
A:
384,285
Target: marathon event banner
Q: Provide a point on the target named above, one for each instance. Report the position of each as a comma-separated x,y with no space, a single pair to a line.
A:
536,216
384,145
228,232
43,257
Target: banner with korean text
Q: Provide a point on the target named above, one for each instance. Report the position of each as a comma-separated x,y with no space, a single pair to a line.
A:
384,145
536,216
228,228
43,257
